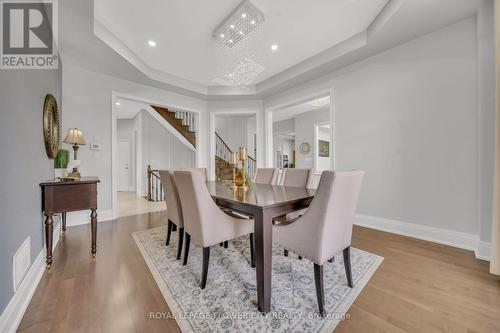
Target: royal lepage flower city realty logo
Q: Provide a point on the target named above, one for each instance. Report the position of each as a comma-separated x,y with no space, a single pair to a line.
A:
29,34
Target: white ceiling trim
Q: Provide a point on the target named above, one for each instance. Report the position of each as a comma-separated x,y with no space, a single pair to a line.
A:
116,44
357,41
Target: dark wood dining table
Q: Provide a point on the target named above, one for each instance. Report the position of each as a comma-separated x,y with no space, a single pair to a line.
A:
262,202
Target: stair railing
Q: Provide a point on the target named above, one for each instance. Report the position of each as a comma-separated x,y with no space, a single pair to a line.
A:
155,190
223,151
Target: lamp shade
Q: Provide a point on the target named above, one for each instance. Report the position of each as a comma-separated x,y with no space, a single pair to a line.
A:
74,137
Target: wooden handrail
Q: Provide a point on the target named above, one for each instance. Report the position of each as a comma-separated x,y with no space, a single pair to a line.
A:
224,142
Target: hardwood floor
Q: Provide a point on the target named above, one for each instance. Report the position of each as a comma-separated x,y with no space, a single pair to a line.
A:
420,286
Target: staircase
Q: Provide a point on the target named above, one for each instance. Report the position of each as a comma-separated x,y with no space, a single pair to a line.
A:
224,169
182,121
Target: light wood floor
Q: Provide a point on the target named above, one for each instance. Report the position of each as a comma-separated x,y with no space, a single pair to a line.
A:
130,204
420,286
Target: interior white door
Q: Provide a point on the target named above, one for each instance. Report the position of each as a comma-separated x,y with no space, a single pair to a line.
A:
123,166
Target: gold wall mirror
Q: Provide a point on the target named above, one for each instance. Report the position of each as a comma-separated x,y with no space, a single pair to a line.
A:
51,126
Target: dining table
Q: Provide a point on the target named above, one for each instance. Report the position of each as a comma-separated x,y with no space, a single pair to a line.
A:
263,203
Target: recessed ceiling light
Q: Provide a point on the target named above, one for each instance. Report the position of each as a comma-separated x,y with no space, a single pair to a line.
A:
117,103
230,74
274,47
152,43
230,41
221,35
231,26
252,22
244,15
241,32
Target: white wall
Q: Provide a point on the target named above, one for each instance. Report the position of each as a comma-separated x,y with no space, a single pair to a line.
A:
236,131
304,133
87,101
408,117
161,149
125,132
241,107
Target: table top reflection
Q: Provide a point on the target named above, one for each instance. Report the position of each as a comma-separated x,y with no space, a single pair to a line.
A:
259,195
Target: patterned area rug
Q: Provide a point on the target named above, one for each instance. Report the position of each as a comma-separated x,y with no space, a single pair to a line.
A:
229,301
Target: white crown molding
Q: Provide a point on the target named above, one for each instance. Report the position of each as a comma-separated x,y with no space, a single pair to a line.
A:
343,48
448,237
117,45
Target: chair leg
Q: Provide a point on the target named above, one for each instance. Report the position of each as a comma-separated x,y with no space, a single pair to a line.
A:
332,259
174,228
186,249
179,245
169,231
252,250
300,257
347,265
285,252
226,244
318,279
221,244
204,268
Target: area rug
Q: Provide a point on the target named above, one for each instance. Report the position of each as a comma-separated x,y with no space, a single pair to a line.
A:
229,301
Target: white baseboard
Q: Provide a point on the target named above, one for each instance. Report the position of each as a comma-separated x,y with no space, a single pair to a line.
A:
483,251
457,239
14,312
83,217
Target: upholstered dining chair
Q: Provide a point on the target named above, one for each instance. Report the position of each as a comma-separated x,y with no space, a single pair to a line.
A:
206,223
266,176
326,227
294,178
174,209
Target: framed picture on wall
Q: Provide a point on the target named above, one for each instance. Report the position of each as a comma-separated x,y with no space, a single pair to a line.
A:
323,148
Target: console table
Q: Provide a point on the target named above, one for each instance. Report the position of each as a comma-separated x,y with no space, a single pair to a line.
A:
60,196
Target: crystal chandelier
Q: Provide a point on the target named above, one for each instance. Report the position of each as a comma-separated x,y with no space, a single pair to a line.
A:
238,65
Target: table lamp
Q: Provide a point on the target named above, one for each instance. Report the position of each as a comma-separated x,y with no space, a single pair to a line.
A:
75,138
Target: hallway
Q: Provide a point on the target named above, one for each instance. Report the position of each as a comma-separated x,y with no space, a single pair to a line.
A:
130,204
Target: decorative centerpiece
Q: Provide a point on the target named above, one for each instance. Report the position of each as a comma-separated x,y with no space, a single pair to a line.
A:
234,163
242,180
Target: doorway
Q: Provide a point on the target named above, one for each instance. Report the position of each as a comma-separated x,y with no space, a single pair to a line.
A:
123,166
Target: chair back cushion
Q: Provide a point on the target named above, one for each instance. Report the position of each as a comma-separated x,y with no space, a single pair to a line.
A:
174,209
266,176
296,177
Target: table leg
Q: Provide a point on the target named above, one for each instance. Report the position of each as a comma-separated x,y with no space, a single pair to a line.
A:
93,226
63,215
49,228
263,234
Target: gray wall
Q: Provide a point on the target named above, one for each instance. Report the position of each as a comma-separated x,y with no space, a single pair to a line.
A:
408,117
24,163
304,132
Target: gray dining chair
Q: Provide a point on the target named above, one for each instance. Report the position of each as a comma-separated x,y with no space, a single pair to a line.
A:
326,227
205,222
266,176
174,209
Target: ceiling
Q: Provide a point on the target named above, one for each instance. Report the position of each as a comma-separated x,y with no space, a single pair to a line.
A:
98,49
185,48
127,109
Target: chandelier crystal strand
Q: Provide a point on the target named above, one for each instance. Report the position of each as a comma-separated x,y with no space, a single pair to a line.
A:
235,40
